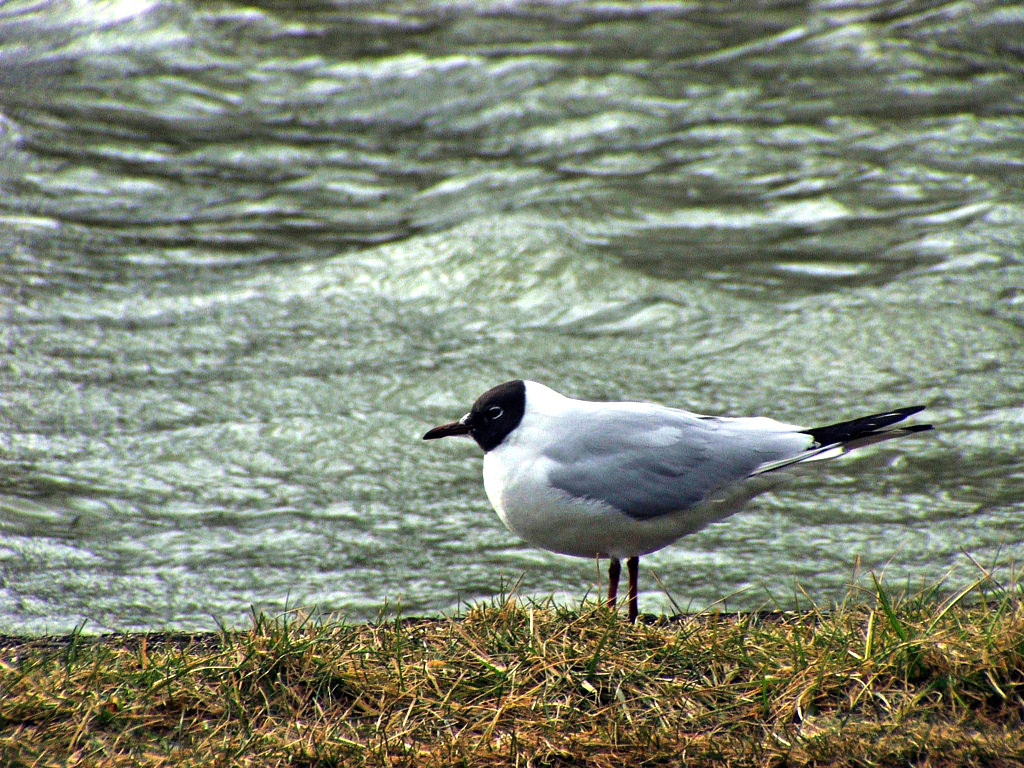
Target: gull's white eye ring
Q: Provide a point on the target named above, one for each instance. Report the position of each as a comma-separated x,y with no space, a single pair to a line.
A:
494,412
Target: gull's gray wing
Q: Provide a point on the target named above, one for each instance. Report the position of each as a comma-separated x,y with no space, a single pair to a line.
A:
649,461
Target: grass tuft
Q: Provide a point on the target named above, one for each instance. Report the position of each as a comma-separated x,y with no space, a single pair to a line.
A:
879,679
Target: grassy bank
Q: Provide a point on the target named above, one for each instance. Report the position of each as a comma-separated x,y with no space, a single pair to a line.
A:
923,681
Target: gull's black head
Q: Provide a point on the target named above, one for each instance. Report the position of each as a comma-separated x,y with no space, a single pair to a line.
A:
494,414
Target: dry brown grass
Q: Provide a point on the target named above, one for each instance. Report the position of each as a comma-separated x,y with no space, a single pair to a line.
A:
916,681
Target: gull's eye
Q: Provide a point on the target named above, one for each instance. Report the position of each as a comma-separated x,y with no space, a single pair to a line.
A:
494,412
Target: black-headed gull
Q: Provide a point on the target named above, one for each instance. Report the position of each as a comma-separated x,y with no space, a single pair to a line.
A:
623,479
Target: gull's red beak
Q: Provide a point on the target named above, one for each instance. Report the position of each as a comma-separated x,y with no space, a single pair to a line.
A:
460,427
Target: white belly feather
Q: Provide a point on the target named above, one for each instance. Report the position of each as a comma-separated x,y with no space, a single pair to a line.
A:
516,484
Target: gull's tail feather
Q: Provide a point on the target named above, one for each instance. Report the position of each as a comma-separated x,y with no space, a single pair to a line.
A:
837,439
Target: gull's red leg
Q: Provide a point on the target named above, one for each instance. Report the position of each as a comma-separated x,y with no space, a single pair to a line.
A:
633,566
614,569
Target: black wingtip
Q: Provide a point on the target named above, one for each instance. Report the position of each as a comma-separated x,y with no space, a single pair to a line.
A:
910,410
845,431
917,428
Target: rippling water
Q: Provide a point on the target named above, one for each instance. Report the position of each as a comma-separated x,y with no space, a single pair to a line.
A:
249,253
